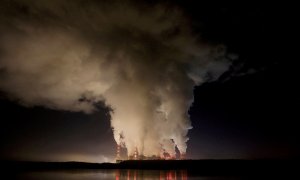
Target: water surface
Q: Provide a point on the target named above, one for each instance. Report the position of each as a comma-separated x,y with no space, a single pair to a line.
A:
115,175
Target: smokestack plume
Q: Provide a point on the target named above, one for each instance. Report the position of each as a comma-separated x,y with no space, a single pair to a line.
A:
142,61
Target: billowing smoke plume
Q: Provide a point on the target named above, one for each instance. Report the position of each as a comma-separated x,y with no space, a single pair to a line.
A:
141,60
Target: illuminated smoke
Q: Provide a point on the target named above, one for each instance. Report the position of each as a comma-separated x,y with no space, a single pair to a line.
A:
142,61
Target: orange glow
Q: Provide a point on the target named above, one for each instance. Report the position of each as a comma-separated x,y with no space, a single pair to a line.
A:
117,175
161,175
134,175
183,175
128,175
171,175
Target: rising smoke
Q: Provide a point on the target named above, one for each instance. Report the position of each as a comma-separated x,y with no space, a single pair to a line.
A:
142,60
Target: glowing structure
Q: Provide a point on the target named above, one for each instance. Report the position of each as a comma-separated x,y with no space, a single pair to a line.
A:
119,146
118,152
163,155
136,154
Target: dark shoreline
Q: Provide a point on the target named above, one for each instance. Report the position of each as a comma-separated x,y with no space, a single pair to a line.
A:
193,167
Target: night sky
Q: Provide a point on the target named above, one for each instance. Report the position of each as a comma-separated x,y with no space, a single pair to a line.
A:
245,113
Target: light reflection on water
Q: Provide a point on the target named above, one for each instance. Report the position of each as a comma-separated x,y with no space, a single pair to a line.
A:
113,175
140,174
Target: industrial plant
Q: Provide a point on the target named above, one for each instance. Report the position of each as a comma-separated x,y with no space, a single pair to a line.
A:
163,155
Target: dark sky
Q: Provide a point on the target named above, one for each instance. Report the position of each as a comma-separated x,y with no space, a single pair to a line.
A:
246,113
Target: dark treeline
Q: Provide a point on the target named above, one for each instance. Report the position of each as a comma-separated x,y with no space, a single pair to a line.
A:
193,167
